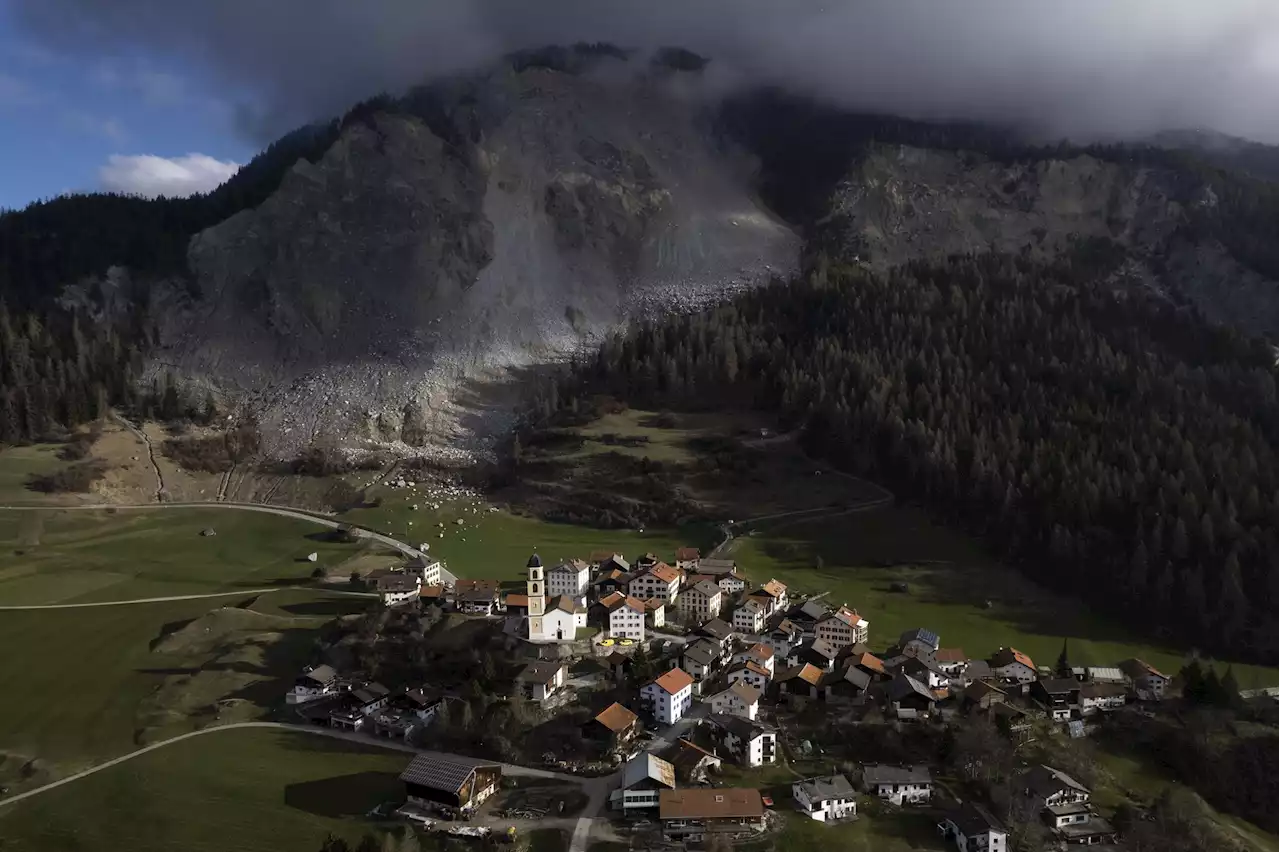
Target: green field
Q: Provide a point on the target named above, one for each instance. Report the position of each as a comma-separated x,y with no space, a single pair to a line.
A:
904,831
950,583
97,682
246,790
18,463
80,555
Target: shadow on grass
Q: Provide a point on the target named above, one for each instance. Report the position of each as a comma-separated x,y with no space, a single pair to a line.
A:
344,795
166,630
278,583
328,607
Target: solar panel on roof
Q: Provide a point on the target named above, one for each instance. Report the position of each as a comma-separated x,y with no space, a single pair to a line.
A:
441,771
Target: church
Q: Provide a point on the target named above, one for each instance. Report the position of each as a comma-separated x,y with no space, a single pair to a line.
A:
556,622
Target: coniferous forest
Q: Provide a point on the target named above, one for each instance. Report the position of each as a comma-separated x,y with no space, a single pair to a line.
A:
1109,445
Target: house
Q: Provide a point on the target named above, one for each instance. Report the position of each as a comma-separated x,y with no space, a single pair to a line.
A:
660,581
694,815
655,613
1105,674
772,594
951,661
478,601
428,570
1012,721
918,642
624,617
807,615
901,785
668,696
1012,666
910,698
562,618
1077,825
540,681
462,586
612,581
646,561
804,680
816,652
314,682
750,743
358,705
599,560
760,654
926,671
725,572
974,829
397,588
750,673
700,601
869,663
739,699
692,760
749,618
700,658
842,627
433,595
644,777
687,558
845,685
782,635
1148,684
619,665
1101,696
570,578
976,670
1048,787
1059,696
516,604
982,695
718,630
825,799
614,726
450,781
423,705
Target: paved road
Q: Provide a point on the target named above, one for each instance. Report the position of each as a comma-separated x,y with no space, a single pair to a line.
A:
192,597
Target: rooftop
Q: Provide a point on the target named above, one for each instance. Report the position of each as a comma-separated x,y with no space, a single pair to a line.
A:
1044,781
539,672
399,583
685,554
464,585
919,634
750,666
664,572
806,672
973,819
828,787
573,566
710,803
445,772
674,681
749,694
760,651
1059,685
716,629
717,566
1009,656
888,773
950,655
648,767
744,729
1140,668
701,654
513,599
616,718
436,591
321,674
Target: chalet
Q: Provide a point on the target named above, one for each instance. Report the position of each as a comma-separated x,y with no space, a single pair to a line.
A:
750,743
918,642
951,661
315,682
694,815
1048,787
842,627
614,726
749,618
825,799
668,696
659,581
644,777
1077,824
700,601
816,652
1059,696
450,782
772,594
516,604
759,653
910,698
462,586
358,705
624,617
570,578
655,613
1101,696
687,558
739,699
845,685
540,681
901,785
926,671
700,658
612,581
750,673
397,588
803,680
718,630
1148,684
974,829
725,572
1012,666
423,705
783,634
478,601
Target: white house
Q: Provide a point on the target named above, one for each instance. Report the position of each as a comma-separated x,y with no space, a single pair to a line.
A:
563,618
773,595
644,777
700,658
902,785
1101,696
687,559
1048,787
749,618
974,829
660,581
1148,684
1013,666
700,601
427,569
396,588
570,578
740,699
750,673
926,671
951,661
825,799
542,680
760,654
669,696
625,617
843,627
918,642
315,682
725,572
655,613
750,743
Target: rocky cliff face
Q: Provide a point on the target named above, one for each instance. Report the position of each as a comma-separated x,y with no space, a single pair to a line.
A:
901,203
520,217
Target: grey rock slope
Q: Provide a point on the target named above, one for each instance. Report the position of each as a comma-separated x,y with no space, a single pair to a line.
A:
902,203
378,288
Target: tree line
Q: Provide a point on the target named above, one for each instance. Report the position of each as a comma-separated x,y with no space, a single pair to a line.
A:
1107,443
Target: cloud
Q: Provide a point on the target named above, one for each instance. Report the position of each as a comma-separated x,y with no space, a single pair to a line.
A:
90,124
152,176
1081,68
157,88
16,92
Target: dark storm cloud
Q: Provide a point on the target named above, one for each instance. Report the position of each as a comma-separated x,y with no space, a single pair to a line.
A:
1075,67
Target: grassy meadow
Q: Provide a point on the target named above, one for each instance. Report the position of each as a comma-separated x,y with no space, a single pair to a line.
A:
19,463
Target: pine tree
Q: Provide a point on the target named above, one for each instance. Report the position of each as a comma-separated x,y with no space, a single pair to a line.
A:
1230,687
1063,668
1192,677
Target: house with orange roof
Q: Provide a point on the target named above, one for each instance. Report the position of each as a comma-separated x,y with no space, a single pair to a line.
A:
772,594
615,725
624,618
951,660
804,680
668,696
655,613
658,581
687,558
760,654
1012,666
843,627
750,672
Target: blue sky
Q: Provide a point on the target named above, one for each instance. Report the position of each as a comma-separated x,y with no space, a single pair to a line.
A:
65,117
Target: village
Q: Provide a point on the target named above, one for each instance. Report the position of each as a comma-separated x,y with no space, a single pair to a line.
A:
709,678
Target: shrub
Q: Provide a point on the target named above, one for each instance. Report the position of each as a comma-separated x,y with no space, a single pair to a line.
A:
75,478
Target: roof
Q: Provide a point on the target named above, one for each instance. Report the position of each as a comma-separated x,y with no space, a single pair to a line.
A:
648,767
610,600
950,655
821,647
810,611
535,561
1104,673
868,661
618,658
370,693
564,603
654,604
436,591
1070,808
1102,690
743,729
399,583
604,555
616,718
1008,656
479,595
613,575
759,650
752,604
904,685
1058,685
716,628
573,566
919,634
445,772
979,689
1044,781
674,680
844,615
463,585
746,692
712,802
701,654
1136,668
773,589
888,773
421,697
684,554
849,674
513,599
617,600
663,572
829,787
806,672
973,819
750,666
539,672
717,566
321,674
705,587
978,669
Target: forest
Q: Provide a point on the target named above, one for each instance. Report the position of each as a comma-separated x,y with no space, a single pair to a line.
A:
1109,444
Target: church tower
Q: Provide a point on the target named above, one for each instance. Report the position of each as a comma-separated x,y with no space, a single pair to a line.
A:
537,591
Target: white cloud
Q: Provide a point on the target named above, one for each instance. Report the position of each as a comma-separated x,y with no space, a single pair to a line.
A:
152,176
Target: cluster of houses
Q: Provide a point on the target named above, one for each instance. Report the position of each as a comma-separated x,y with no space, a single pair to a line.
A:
368,707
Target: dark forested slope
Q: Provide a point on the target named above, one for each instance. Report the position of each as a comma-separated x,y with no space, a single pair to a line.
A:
1109,444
